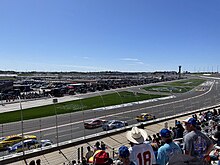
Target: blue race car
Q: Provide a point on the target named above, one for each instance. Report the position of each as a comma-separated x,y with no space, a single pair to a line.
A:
113,124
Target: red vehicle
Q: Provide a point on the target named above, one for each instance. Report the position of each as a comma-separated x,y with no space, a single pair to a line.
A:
93,123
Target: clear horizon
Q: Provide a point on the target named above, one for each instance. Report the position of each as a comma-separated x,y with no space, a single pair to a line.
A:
110,35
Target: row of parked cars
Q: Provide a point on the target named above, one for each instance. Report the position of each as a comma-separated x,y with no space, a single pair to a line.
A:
113,124
14,143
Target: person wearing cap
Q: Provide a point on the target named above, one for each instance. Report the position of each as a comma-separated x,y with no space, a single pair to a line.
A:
179,130
169,149
100,157
195,143
124,154
141,152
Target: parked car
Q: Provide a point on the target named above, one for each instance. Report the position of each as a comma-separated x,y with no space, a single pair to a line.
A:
28,145
93,123
7,141
112,124
145,117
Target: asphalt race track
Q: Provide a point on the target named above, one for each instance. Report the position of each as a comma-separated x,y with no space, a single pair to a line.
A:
70,126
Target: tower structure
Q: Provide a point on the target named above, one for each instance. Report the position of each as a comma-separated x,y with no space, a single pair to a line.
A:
179,71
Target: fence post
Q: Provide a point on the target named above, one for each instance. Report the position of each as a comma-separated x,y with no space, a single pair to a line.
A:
113,153
78,154
81,154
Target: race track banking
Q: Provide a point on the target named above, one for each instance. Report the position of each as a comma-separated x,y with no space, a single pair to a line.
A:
70,126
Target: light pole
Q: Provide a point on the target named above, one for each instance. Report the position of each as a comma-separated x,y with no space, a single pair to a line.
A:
102,100
1,99
22,125
82,109
174,111
122,102
55,110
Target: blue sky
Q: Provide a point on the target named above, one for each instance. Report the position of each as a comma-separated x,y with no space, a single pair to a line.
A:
110,35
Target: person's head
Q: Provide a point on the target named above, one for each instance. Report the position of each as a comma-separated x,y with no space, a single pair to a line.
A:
166,135
88,148
97,144
124,154
190,124
73,162
84,161
101,158
141,126
32,162
136,135
178,123
38,161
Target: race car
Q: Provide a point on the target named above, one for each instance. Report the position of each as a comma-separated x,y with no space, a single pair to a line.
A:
112,124
145,117
28,145
93,123
7,141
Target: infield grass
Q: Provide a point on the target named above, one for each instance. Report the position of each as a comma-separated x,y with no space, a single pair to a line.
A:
176,87
76,105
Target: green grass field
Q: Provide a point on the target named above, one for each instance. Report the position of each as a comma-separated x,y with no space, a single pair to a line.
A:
76,105
176,87
189,82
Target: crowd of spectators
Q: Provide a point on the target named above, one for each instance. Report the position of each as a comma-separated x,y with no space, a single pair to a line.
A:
195,140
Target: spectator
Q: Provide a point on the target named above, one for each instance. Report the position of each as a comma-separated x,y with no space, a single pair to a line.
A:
141,152
179,130
89,153
103,146
166,124
97,146
169,149
216,136
124,155
215,113
158,136
215,154
141,126
155,148
84,161
38,162
74,162
149,138
196,144
32,162
101,158
156,139
219,111
201,117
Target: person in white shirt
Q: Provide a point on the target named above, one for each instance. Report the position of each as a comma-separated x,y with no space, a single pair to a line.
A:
141,152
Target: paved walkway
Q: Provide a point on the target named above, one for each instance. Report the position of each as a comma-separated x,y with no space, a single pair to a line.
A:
115,141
